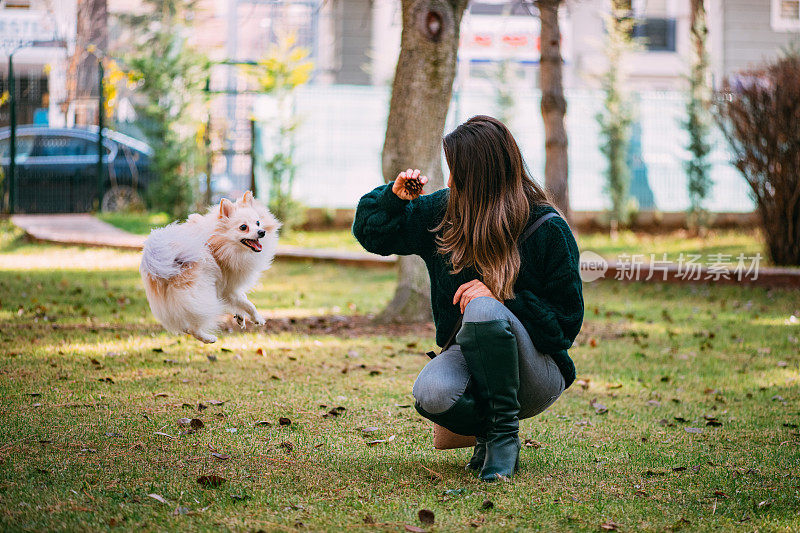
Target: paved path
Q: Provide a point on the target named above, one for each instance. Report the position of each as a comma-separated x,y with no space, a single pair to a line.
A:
86,230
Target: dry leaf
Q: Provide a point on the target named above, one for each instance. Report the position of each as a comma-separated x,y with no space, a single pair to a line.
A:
380,441
158,497
487,504
610,525
263,423
283,421
220,456
426,516
211,480
414,529
599,408
159,433
530,443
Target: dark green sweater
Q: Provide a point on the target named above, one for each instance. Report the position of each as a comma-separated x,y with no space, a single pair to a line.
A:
548,294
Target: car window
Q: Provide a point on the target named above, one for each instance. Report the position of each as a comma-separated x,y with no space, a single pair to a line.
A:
24,146
61,146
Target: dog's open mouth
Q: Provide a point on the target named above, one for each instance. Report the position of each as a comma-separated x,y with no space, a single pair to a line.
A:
252,244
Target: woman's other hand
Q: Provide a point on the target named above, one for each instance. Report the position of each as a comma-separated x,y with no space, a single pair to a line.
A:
469,291
399,187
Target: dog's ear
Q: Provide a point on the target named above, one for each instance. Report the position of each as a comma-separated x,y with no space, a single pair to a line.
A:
225,208
247,197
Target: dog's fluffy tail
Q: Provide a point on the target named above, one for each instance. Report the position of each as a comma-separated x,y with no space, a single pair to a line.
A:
171,249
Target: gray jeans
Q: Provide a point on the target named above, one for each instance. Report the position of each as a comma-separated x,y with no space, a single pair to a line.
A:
444,379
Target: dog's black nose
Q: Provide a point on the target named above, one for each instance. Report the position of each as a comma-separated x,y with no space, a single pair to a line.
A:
261,233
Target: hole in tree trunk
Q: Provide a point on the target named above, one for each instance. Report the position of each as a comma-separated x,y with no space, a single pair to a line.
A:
434,23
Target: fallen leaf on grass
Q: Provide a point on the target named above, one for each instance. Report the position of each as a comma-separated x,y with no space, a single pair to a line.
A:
284,421
414,529
599,408
764,504
679,469
287,446
220,456
212,358
161,434
158,350
94,361
211,480
158,497
263,423
582,383
160,395
215,402
179,510
380,441
610,525
426,516
530,443
370,429
487,504
720,494
693,430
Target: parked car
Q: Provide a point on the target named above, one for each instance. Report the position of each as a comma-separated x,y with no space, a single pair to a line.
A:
57,169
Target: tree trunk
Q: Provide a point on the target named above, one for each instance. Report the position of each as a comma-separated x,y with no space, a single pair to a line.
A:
554,106
421,92
91,30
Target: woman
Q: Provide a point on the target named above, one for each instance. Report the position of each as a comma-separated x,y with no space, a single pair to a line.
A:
517,302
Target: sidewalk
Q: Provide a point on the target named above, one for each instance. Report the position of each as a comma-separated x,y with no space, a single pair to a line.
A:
86,230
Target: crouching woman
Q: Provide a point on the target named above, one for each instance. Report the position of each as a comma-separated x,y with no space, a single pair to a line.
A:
505,284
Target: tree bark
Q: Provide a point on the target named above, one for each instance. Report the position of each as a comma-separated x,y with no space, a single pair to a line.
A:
554,106
421,93
91,30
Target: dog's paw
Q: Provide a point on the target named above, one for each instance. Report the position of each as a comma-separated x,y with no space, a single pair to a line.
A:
258,320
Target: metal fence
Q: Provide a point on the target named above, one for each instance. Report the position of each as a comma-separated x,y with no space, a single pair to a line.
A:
339,142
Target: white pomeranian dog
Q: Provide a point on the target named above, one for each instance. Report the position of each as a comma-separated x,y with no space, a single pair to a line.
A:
196,271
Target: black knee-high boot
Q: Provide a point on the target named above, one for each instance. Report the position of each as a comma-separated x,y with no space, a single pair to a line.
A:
490,350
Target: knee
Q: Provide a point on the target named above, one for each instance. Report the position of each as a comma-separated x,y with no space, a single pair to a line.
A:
434,395
484,309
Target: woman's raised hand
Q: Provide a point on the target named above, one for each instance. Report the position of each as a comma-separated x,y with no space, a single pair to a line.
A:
401,186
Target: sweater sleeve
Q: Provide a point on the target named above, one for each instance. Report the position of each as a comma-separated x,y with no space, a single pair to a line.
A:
385,224
552,312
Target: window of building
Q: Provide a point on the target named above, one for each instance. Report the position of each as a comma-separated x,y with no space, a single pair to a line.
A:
656,34
785,15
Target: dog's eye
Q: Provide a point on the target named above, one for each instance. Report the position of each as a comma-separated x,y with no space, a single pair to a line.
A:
243,227
258,222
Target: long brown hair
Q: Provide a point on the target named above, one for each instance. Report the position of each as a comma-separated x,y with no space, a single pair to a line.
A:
491,197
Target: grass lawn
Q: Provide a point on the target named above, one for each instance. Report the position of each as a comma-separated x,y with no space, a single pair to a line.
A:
701,387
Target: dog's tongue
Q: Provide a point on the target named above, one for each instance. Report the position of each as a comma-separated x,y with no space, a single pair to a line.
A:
256,245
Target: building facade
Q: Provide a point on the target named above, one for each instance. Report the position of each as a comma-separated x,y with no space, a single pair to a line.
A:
40,35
